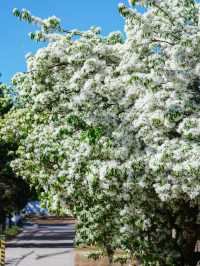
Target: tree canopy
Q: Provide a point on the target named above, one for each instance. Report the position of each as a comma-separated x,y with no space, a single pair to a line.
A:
14,191
109,128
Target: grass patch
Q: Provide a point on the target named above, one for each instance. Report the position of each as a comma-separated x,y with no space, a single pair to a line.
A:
12,232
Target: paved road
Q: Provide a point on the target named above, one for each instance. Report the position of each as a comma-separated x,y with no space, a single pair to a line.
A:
42,245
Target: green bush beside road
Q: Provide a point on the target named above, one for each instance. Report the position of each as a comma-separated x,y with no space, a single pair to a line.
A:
12,231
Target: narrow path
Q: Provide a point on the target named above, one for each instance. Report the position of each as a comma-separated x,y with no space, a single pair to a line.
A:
42,244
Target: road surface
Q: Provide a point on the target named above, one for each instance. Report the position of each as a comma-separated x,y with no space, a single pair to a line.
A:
42,245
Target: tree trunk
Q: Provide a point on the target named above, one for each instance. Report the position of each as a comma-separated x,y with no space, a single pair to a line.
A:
110,254
2,221
190,255
9,220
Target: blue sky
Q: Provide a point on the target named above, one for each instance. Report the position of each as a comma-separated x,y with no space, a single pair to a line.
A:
81,14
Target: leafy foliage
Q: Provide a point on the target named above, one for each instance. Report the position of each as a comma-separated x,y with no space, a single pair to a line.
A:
13,190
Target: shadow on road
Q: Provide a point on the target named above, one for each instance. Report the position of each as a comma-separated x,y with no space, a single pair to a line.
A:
42,245
39,257
17,261
41,236
11,262
49,236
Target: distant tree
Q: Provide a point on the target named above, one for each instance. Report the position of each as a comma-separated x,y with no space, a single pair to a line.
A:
14,191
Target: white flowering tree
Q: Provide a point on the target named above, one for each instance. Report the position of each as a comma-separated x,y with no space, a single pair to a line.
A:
110,129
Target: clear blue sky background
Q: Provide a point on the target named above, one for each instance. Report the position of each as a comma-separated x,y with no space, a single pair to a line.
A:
81,14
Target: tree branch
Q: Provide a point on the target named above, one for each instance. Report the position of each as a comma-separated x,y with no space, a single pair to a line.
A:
50,67
163,41
165,13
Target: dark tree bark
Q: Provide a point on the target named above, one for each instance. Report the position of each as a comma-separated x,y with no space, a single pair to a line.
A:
3,221
110,254
9,220
190,236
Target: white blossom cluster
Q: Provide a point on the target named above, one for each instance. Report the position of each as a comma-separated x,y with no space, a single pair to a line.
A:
110,128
